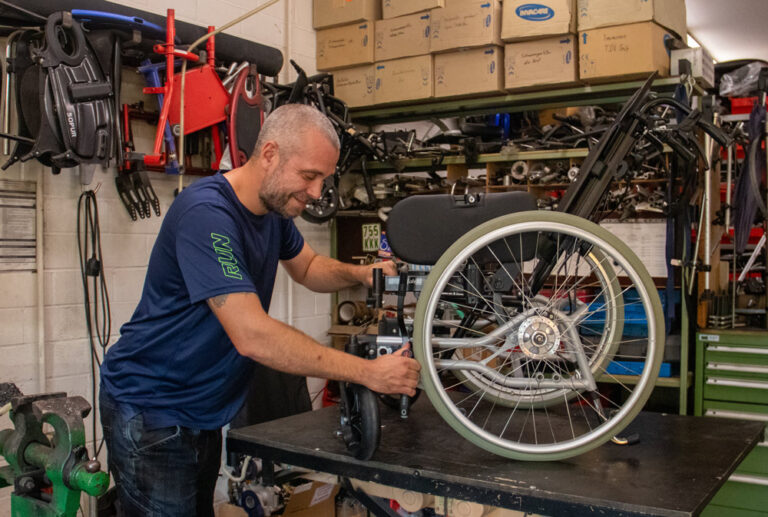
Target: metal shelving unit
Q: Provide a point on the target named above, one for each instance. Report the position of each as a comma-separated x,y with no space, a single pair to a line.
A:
612,93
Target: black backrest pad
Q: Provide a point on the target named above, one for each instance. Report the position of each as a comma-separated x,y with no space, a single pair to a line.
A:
421,228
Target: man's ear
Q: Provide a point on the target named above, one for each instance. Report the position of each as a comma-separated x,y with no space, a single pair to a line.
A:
270,153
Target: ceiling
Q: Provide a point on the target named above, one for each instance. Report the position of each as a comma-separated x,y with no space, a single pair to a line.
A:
737,29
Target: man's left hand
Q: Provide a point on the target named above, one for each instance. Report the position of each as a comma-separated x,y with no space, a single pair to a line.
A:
389,268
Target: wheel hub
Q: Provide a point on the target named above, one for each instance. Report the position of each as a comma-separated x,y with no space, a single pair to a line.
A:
538,337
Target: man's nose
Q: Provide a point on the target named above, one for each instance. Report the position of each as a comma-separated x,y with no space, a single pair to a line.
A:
316,188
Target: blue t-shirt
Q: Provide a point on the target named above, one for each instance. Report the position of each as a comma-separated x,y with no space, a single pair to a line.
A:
174,362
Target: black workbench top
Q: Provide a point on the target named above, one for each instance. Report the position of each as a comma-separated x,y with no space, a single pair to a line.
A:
675,469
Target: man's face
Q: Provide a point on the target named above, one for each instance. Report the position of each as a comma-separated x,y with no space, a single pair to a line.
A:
290,183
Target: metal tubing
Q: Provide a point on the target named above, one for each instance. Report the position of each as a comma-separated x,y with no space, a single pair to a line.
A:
728,179
7,86
764,101
707,215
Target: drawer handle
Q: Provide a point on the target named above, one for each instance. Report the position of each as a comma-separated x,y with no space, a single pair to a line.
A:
750,480
738,383
724,413
737,367
737,349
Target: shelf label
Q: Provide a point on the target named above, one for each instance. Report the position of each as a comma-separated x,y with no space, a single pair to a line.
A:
709,337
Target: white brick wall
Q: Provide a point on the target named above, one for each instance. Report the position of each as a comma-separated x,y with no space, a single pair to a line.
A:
126,245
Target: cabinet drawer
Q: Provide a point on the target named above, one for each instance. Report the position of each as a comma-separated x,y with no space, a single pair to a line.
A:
744,492
757,372
736,387
723,409
734,337
736,354
714,510
756,462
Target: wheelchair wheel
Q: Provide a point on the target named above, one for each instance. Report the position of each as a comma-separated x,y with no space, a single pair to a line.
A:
532,365
360,421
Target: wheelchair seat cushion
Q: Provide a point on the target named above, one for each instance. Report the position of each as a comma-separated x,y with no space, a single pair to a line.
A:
421,228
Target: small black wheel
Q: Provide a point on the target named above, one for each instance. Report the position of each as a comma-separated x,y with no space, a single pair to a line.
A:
325,208
360,423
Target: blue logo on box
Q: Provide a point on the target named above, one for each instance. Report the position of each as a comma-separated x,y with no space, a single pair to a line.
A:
535,12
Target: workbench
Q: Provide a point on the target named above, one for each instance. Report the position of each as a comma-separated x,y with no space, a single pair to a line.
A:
677,466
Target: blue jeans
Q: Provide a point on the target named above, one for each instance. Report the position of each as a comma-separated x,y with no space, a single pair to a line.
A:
167,471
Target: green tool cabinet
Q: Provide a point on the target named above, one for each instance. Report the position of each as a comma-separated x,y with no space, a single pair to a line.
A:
732,382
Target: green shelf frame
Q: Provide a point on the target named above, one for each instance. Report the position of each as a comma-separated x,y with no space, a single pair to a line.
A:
613,93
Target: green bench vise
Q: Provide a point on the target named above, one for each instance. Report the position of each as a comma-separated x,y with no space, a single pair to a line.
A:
48,475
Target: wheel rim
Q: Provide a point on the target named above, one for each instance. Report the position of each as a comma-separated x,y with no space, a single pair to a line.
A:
524,387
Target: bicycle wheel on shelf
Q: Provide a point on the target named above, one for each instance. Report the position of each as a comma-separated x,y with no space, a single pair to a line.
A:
538,372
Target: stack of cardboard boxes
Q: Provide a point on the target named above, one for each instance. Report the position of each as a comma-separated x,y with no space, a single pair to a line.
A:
628,38
344,31
541,43
383,51
416,49
403,69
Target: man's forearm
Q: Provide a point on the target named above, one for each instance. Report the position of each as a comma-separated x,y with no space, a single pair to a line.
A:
284,348
326,275
264,339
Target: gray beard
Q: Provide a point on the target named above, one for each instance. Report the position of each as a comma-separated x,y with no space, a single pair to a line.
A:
276,202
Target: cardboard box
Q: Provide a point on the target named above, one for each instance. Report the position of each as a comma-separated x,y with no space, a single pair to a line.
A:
402,37
345,46
465,24
332,13
627,51
313,499
702,65
523,20
670,14
548,61
230,510
473,71
355,85
394,8
405,79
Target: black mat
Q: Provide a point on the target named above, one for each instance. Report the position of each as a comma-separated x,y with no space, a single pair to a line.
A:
677,467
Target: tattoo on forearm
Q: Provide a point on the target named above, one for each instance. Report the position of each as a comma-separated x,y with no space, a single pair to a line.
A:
217,302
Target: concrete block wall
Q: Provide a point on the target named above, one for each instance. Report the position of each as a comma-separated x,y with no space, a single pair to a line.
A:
126,245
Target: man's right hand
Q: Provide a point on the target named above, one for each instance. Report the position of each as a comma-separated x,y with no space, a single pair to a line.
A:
394,374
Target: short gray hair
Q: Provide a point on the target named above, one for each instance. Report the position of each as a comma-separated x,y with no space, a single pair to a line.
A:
288,124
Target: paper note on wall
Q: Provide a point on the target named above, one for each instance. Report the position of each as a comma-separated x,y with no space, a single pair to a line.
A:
646,239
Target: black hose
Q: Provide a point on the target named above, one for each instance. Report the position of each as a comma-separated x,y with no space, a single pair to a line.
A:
98,319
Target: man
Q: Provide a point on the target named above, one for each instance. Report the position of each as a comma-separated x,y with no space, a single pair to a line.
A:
181,367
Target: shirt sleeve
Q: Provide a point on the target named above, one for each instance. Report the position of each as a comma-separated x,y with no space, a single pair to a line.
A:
293,241
210,253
